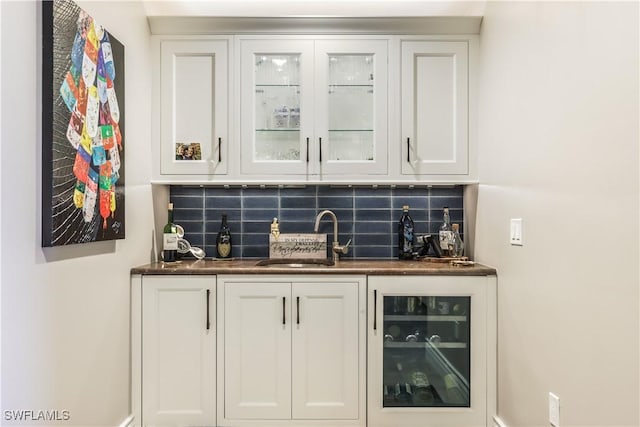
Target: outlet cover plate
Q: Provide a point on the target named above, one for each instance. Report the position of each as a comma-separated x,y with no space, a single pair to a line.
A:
554,410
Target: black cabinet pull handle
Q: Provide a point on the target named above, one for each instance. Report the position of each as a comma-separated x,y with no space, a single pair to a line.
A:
320,144
408,150
297,310
375,312
284,320
307,150
219,150
208,322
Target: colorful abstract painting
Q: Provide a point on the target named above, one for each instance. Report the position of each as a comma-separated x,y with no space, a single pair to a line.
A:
82,128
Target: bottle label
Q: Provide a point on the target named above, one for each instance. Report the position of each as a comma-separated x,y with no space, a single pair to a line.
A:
407,244
170,242
224,249
407,239
446,239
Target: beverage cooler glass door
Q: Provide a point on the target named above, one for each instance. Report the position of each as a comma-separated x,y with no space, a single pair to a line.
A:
426,351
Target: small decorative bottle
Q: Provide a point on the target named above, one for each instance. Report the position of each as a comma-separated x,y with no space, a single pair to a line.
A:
223,241
405,235
457,245
446,233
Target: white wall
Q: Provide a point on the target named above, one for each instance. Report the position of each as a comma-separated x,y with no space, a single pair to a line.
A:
65,311
558,132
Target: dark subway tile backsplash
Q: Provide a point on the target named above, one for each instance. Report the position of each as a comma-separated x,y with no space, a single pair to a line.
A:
366,215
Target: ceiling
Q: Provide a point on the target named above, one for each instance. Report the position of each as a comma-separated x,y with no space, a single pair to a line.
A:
314,8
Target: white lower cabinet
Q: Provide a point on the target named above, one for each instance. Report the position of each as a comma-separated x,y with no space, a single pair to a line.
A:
293,350
178,354
313,350
431,351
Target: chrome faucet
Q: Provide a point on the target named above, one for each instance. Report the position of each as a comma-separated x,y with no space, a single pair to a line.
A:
336,248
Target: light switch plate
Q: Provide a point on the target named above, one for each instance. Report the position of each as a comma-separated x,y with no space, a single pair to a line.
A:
516,232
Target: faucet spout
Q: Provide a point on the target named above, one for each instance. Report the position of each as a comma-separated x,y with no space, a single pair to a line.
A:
335,223
336,249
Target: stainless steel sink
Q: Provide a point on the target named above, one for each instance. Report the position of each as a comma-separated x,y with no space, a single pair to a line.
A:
296,263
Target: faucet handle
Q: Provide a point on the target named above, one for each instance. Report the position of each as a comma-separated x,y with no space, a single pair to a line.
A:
342,249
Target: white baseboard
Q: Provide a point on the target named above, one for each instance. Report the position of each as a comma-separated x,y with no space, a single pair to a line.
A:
128,422
497,422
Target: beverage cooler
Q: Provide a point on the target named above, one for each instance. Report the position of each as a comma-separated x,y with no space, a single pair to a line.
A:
427,351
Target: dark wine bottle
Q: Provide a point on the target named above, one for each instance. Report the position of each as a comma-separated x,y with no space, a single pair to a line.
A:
223,241
405,235
170,238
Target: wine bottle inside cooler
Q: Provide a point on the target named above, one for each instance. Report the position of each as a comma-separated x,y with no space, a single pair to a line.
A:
422,390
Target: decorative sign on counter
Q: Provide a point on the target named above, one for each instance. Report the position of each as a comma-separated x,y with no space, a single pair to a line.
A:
304,246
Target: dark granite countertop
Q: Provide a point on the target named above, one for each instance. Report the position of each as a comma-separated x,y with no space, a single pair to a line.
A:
388,267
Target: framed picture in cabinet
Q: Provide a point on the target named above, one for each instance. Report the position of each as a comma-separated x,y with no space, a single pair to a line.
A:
83,128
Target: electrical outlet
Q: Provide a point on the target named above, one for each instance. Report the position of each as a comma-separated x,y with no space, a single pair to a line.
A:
516,232
554,410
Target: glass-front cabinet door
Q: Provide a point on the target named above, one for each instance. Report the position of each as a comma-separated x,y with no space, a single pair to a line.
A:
276,106
427,351
313,107
351,112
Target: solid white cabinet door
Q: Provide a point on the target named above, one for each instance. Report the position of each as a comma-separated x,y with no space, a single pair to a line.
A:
257,350
435,108
178,351
351,106
194,107
325,351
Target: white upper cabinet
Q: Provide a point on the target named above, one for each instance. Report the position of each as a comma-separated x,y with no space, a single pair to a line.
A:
435,108
313,108
294,107
194,107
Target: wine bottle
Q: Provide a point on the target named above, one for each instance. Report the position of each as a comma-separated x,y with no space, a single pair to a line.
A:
403,394
458,245
454,394
223,241
422,390
405,235
170,238
446,233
